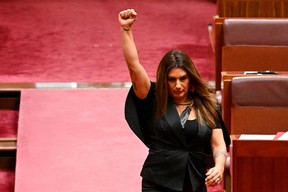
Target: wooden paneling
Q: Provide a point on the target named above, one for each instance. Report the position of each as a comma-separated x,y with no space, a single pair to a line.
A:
259,165
252,8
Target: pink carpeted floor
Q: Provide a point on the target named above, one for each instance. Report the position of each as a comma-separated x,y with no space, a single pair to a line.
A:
68,141
79,40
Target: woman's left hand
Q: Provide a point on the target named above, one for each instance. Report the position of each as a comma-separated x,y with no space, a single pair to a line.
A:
214,176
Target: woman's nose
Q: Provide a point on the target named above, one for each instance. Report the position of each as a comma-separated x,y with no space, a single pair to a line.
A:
178,84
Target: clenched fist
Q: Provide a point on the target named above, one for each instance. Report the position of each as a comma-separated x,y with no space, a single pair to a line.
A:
127,18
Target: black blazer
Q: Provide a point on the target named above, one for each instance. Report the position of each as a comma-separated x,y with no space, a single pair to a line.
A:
169,153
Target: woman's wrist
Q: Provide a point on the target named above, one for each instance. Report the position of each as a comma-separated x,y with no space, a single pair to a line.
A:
126,28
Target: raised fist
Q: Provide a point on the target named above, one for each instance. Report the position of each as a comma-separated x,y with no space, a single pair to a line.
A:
127,17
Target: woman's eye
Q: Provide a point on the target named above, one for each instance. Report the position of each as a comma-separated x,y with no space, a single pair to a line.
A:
183,78
171,79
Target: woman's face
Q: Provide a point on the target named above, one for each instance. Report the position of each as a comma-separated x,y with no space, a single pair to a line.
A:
178,85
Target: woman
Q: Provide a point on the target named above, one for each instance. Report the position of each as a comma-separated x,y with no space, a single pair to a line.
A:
176,118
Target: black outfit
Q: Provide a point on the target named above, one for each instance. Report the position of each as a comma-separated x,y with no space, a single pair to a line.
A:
176,155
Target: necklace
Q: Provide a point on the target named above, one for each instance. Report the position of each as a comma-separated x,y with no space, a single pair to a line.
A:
185,114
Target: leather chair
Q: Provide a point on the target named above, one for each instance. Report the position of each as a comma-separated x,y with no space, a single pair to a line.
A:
250,44
259,105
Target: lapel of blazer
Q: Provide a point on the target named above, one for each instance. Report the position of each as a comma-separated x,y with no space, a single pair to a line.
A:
173,120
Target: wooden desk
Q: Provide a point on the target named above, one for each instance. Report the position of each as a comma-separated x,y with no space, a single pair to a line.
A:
259,165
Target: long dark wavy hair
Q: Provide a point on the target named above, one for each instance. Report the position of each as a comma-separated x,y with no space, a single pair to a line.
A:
204,99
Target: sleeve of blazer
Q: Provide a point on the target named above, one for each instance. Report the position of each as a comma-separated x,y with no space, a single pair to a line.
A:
132,106
132,117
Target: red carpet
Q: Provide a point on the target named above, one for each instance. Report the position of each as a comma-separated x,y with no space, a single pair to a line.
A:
79,40
76,141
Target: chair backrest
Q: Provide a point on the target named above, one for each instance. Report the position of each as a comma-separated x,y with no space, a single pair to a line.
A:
259,104
250,45
255,44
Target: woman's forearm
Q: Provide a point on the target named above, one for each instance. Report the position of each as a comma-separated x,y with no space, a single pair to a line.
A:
129,49
220,156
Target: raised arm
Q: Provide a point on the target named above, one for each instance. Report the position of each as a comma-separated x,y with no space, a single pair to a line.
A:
138,75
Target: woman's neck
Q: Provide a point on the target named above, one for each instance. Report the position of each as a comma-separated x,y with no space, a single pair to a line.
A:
186,103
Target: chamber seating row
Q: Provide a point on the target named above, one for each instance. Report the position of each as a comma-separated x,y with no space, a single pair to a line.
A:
256,44
251,104
257,105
